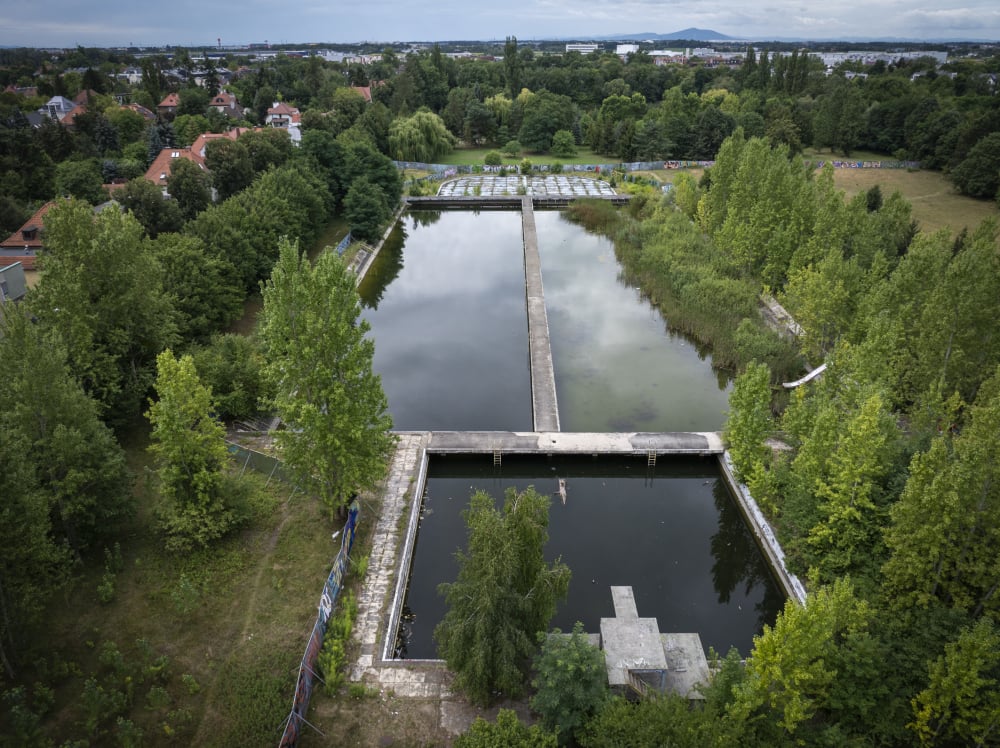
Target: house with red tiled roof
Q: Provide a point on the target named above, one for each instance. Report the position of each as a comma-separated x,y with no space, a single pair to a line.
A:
25,244
168,107
365,91
233,133
159,171
21,90
227,104
83,97
282,115
69,119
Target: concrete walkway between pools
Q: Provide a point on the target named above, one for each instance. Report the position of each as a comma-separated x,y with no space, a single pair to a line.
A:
544,407
376,598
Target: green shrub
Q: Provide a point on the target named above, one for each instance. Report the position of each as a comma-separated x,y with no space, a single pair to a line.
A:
512,148
525,166
571,681
106,591
184,595
190,684
157,698
563,144
333,657
493,158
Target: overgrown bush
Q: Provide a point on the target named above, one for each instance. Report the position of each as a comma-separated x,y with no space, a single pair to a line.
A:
571,681
493,158
333,657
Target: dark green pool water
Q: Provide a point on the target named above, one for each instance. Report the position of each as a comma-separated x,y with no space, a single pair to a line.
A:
445,301
671,532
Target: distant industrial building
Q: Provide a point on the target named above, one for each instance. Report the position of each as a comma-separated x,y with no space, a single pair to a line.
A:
585,49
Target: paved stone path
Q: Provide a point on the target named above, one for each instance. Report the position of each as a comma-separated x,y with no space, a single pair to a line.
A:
377,594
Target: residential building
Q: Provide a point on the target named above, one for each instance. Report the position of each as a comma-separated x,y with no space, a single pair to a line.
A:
227,104
159,171
57,107
282,115
141,110
365,91
25,244
168,107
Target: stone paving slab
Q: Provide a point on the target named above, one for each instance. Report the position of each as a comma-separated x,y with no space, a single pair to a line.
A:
383,560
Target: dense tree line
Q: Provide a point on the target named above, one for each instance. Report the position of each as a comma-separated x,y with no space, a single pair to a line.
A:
883,491
123,287
946,117
887,479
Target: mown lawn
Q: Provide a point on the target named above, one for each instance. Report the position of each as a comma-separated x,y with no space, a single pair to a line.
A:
464,156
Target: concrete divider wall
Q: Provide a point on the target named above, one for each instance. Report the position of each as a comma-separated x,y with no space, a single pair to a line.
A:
763,533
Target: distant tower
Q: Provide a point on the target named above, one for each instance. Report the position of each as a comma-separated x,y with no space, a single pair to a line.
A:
218,41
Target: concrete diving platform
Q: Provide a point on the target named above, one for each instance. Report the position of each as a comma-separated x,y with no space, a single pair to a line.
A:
640,658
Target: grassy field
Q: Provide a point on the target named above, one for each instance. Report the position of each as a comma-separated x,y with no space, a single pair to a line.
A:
194,649
464,156
936,204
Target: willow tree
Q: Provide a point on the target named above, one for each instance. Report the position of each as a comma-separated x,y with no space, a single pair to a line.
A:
337,438
421,137
504,596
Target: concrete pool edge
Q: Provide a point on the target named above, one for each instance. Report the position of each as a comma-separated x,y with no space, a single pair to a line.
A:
384,586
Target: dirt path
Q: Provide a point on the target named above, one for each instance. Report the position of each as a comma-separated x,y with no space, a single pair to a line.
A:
249,606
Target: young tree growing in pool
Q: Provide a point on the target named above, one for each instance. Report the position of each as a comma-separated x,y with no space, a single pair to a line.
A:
504,596
319,359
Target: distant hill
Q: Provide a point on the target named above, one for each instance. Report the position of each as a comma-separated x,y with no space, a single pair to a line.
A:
692,34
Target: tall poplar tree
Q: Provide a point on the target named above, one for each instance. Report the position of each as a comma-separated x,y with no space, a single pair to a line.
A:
191,448
953,557
337,438
749,420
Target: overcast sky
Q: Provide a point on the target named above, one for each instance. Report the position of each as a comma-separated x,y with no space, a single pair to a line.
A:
41,23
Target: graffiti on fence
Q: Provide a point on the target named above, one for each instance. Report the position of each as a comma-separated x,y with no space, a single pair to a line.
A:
307,669
842,164
344,243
